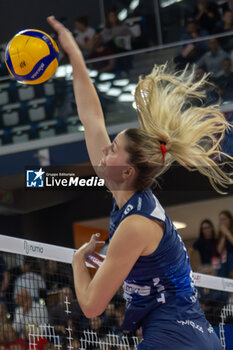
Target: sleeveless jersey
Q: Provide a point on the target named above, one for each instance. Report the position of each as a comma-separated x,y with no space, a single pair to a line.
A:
161,281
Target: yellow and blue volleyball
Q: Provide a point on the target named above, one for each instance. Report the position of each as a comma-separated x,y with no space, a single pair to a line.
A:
32,56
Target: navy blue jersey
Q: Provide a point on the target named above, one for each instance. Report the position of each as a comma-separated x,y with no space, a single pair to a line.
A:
161,281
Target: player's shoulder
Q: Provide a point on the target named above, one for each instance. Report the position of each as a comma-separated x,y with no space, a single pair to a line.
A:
137,230
136,225
129,236
130,228
134,220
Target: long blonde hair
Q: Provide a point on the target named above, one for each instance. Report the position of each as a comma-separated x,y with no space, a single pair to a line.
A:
168,112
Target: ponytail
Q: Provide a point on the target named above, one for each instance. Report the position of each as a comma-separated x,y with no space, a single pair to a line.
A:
192,134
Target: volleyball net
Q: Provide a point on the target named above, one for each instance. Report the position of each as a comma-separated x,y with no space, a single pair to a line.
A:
38,308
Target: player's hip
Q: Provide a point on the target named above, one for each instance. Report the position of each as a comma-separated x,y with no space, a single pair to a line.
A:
180,334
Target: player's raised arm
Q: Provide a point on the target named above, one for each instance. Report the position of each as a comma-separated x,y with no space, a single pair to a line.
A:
88,104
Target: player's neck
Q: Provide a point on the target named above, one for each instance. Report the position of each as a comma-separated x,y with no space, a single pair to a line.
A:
122,197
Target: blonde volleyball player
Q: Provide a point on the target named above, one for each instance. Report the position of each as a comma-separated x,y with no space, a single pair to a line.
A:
146,252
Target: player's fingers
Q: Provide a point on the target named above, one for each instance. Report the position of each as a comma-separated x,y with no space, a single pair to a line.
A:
54,23
100,243
92,263
95,236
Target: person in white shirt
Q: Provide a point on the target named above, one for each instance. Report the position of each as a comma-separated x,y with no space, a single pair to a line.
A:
30,281
211,61
83,35
116,31
28,312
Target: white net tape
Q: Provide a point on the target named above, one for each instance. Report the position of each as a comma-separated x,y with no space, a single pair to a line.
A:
65,255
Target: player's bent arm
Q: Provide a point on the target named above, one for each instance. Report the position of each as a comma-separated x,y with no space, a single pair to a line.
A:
126,246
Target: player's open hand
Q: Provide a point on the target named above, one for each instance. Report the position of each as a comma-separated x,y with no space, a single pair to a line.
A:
65,37
89,247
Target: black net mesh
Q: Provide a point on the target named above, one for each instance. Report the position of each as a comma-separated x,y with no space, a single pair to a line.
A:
38,310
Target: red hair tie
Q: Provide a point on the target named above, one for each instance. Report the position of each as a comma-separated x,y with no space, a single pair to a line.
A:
163,149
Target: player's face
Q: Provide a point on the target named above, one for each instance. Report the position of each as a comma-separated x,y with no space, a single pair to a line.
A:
115,160
115,154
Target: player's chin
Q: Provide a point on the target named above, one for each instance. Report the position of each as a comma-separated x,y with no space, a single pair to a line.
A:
101,169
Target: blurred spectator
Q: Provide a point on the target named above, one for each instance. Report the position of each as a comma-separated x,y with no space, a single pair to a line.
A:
28,312
194,32
199,73
207,15
225,81
4,278
116,33
211,300
39,341
3,313
226,26
102,50
53,276
14,273
211,61
230,5
211,89
226,6
120,314
84,35
191,52
66,312
206,245
118,37
225,245
227,144
96,325
31,281
227,21
75,343
109,316
10,340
